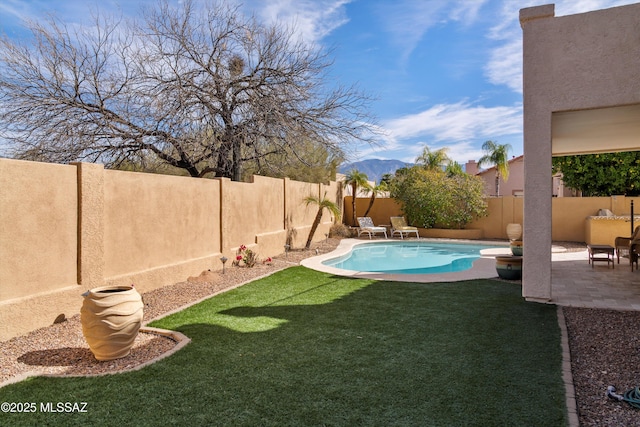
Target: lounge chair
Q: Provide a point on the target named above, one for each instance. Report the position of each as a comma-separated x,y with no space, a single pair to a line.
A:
367,227
629,247
399,226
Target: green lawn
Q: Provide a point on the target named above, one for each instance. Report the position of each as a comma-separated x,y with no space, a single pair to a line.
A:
306,348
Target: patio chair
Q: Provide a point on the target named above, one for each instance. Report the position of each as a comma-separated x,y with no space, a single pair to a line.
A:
629,247
399,226
366,227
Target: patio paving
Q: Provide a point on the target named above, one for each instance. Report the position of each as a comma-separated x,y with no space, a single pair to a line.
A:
576,283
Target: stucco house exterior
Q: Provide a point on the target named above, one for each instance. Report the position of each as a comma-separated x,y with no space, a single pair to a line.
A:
513,186
581,90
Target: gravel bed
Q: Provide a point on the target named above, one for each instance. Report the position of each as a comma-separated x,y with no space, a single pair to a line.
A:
604,344
605,350
61,349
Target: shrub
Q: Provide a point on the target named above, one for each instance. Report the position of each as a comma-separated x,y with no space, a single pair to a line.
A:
432,198
339,230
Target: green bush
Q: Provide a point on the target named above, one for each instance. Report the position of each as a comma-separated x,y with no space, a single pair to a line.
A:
432,198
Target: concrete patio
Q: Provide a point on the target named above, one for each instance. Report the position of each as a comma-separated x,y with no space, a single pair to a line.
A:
576,283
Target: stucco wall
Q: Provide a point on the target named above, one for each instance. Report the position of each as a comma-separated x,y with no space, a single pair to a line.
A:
69,228
38,229
38,243
570,220
154,221
574,62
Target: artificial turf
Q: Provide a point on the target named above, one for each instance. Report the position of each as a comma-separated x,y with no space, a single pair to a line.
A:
304,348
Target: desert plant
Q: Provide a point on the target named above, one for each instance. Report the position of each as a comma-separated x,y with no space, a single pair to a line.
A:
432,198
246,256
375,191
322,203
339,230
355,179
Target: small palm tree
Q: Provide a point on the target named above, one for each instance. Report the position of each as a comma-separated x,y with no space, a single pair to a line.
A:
498,156
433,160
355,179
322,203
376,190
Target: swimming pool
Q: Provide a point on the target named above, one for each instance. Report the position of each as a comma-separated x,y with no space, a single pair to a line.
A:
409,257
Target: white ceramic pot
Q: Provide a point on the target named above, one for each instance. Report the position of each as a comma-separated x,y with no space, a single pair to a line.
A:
514,231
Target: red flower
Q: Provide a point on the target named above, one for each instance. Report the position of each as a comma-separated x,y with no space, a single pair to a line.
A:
243,247
238,257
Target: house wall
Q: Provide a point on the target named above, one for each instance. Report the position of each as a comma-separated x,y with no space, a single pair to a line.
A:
513,186
68,228
576,62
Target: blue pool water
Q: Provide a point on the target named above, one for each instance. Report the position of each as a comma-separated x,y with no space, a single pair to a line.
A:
409,257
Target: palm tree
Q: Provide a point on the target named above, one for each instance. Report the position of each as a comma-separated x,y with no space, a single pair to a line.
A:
497,155
454,169
376,190
433,159
322,203
355,179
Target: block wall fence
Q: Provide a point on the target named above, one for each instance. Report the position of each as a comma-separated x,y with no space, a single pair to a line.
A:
68,228
573,218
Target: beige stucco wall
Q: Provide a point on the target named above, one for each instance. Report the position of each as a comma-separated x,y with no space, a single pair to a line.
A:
38,242
158,222
38,229
575,62
570,220
68,228
603,230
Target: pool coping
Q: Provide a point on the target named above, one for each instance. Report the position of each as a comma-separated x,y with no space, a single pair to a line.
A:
482,268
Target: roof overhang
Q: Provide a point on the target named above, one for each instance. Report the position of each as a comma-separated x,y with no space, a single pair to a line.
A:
599,130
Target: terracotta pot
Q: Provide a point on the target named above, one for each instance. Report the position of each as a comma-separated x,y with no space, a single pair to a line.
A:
509,267
514,231
111,317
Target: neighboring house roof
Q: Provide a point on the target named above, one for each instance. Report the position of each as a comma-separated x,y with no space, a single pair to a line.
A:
493,168
513,186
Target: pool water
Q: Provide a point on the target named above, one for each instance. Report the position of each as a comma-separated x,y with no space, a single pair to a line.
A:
409,257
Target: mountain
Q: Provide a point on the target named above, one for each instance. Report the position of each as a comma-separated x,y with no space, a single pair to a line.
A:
374,168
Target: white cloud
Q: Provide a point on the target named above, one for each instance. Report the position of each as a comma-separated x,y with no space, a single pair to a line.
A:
408,21
505,64
458,122
466,11
312,20
460,127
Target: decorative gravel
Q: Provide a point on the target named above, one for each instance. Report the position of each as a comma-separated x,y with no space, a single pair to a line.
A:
604,344
61,349
605,351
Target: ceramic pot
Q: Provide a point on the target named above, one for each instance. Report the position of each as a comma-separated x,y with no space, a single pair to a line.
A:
514,231
509,267
111,317
516,247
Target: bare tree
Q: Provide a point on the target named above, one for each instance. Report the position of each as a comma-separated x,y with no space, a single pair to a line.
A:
204,90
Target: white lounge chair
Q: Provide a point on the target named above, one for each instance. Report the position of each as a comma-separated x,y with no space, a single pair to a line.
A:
399,226
366,227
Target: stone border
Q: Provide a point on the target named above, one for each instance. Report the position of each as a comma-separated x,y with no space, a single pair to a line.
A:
567,375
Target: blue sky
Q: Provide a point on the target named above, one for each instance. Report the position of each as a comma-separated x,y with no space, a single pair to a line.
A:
445,73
